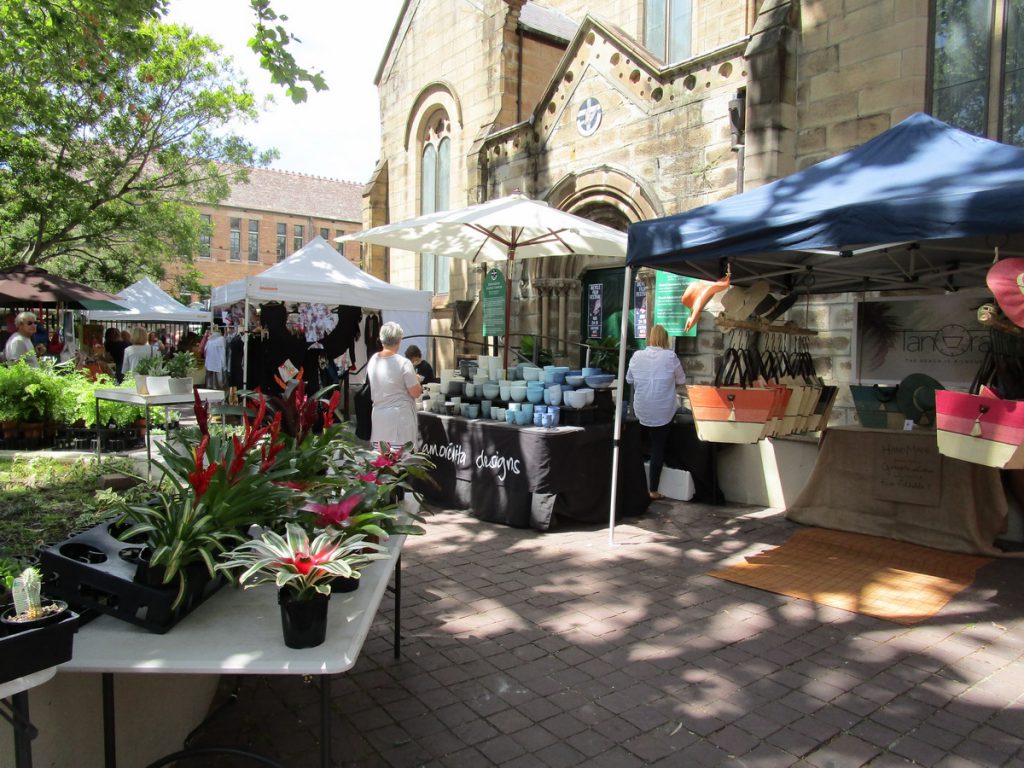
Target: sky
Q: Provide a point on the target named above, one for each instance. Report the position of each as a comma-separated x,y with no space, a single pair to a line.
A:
334,133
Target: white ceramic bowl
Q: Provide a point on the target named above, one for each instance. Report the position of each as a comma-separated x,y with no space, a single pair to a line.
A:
575,399
491,391
576,381
589,394
530,373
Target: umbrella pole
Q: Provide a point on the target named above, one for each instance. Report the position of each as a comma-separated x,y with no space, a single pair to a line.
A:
508,302
617,432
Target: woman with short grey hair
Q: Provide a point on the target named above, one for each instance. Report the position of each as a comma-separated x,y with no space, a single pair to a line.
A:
394,387
19,346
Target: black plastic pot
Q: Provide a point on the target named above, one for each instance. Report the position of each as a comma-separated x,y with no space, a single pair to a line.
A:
12,626
344,584
303,622
39,647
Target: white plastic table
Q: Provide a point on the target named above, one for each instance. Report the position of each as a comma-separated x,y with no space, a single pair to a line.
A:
122,395
239,632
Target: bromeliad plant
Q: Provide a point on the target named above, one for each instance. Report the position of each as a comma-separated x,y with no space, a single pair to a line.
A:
294,563
211,492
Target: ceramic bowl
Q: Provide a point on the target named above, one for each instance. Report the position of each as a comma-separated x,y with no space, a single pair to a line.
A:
522,419
506,392
535,395
600,380
491,391
554,412
590,395
530,373
528,408
554,395
473,411
575,399
590,371
576,381
518,392
510,417
469,389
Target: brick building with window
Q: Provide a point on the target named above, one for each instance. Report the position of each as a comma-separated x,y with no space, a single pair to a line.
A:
271,217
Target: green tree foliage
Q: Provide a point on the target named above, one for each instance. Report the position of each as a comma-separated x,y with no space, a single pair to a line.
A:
112,125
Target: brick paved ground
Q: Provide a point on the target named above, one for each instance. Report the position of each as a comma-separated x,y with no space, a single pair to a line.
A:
529,649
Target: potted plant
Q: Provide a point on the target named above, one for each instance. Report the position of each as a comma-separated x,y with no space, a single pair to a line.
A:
39,633
179,367
30,610
151,376
303,571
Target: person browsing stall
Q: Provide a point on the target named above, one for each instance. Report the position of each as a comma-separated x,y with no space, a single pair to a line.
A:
394,387
655,372
423,369
20,345
139,349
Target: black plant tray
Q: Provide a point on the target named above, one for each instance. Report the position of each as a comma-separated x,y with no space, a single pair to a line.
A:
28,651
94,571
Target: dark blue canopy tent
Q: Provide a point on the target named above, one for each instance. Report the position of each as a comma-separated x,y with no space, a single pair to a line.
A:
921,206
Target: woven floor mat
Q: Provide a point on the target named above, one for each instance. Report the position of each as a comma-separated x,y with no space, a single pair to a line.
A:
893,580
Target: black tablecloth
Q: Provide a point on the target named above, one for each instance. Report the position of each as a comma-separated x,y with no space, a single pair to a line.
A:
531,476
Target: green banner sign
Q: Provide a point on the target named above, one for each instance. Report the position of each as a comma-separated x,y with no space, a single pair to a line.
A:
669,309
494,303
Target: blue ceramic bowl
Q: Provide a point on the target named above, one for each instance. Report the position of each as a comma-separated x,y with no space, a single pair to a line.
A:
600,380
575,380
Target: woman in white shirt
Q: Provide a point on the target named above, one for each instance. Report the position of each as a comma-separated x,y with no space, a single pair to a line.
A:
655,372
393,387
138,350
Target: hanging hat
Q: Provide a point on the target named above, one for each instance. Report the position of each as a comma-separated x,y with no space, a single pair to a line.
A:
1006,281
916,397
697,294
739,303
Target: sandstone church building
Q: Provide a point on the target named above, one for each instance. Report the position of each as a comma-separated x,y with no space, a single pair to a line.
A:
624,110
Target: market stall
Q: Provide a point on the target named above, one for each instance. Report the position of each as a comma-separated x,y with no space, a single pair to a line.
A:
923,207
146,302
317,275
530,476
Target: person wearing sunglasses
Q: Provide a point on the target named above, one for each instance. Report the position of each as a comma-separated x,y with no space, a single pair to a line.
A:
20,345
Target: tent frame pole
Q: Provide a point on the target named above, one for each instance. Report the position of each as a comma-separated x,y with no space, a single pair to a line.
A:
620,386
245,344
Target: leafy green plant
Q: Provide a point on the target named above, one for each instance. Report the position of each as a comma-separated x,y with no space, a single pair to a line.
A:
181,364
151,366
27,393
295,563
179,532
604,353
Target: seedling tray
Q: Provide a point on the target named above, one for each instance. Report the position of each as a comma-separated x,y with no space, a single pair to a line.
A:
28,651
94,571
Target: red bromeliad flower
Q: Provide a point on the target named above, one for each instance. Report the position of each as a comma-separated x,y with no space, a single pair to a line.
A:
199,477
202,413
337,513
303,562
331,406
370,477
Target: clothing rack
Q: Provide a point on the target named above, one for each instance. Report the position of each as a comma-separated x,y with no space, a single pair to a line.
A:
761,326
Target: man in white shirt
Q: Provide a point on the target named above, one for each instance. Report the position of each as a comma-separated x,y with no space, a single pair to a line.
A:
20,344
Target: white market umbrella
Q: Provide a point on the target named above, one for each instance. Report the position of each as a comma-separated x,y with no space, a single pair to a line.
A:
499,230
502,230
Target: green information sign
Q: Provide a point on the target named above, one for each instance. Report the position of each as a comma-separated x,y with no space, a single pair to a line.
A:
494,303
669,309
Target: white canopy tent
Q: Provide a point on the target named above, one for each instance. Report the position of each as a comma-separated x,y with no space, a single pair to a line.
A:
317,273
147,302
